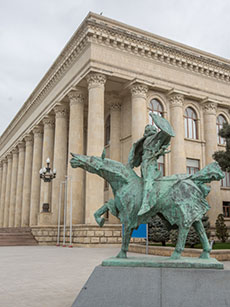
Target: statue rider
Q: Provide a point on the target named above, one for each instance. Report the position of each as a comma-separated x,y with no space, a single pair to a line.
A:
145,153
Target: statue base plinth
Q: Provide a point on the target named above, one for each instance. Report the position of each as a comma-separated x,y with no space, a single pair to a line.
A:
164,262
155,287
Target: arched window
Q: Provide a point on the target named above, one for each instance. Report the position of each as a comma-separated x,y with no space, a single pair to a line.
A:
107,131
156,107
190,123
220,121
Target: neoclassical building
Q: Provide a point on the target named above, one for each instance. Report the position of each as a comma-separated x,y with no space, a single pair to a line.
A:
96,95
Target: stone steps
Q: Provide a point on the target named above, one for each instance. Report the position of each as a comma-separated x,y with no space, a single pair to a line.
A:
15,236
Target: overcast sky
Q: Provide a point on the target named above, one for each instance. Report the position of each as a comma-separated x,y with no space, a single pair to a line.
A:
33,32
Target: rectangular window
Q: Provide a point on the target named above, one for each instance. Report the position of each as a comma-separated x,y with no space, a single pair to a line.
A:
226,208
193,166
225,182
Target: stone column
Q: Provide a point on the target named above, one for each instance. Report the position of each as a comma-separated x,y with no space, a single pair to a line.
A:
76,145
139,110
3,191
210,136
13,187
20,178
27,181
7,196
60,159
95,143
178,159
3,186
48,146
36,181
115,135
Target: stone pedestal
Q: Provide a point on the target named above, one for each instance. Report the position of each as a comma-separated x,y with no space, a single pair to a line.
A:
44,218
156,287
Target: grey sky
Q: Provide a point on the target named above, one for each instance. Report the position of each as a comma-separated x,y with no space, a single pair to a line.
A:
33,32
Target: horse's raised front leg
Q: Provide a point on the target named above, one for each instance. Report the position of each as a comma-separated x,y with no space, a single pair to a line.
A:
125,243
108,206
182,235
199,227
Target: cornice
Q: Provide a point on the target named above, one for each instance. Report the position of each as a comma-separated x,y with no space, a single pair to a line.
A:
104,31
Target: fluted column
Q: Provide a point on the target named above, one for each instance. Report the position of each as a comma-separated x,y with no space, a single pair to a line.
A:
27,181
8,185
3,191
139,95
178,159
3,186
210,136
95,142
36,181
76,145
60,158
48,145
13,187
20,178
115,135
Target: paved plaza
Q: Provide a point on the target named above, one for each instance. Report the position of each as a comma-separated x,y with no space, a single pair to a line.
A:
47,276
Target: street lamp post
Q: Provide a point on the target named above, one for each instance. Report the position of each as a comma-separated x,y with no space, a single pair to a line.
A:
47,175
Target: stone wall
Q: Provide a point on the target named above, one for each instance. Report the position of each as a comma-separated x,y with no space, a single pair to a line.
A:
82,235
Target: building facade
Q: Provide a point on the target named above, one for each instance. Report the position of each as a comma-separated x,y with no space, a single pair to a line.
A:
98,94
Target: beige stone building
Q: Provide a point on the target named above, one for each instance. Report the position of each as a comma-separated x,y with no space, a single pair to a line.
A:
97,94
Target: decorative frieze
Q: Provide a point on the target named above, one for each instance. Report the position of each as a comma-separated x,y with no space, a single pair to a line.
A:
95,80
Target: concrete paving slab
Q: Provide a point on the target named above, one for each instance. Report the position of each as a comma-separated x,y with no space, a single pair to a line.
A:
48,276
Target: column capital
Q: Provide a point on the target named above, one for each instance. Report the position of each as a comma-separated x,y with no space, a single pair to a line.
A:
28,139
38,131
9,156
95,80
15,151
61,110
139,90
209,107
48,122
76,96
176,100
21,146
4,161
114,102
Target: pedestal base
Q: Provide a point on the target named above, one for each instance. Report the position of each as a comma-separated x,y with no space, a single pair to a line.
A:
156,287
164,262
